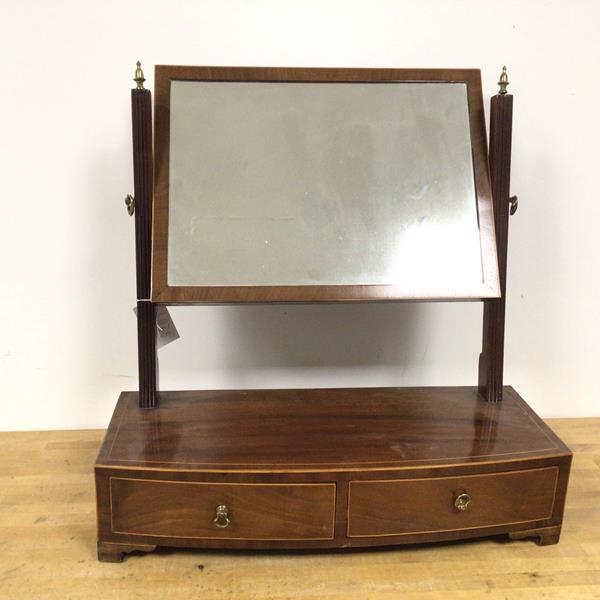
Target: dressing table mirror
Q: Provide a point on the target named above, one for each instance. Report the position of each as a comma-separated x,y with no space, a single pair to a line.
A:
276,185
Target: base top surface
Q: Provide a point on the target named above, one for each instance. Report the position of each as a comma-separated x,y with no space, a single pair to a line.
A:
324,429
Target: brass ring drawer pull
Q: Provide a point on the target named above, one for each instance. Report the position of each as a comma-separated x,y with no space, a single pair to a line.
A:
461,502
222,519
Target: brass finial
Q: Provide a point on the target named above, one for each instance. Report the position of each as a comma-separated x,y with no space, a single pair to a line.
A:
503,83
139,76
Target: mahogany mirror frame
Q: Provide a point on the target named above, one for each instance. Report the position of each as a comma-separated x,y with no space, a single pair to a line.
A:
163,293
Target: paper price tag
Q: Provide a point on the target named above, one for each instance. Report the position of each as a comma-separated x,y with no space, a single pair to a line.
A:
166,332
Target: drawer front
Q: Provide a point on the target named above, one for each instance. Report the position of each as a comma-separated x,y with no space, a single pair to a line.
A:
229,511
409,506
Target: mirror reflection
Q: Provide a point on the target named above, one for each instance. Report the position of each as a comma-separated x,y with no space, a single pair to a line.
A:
321,183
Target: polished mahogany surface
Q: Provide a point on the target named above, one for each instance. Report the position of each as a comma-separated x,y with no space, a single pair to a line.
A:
408,506
326,468
324,429
186,509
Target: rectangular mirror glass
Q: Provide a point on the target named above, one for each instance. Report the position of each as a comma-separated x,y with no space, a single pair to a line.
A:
277,184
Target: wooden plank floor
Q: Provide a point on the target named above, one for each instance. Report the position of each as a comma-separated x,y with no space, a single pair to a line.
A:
48,537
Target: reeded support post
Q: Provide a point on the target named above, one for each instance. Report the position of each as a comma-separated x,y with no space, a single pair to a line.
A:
141,110
491,360
147,363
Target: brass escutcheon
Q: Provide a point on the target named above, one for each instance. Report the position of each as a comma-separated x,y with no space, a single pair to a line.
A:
221,519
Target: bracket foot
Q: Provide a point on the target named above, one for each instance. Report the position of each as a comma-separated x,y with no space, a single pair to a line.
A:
544,536
112,552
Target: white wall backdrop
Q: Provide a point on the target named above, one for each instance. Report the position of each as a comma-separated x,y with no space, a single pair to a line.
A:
67,335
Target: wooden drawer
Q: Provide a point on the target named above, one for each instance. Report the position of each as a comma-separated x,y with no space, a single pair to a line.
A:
177,509
409,506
